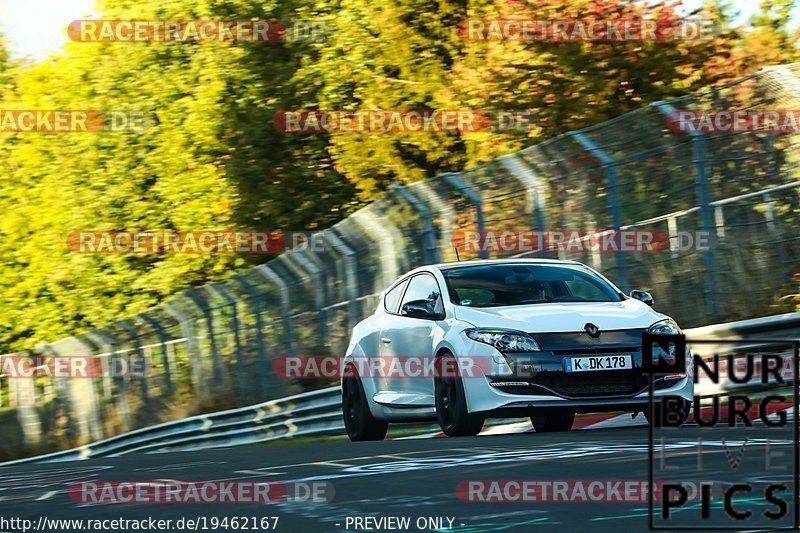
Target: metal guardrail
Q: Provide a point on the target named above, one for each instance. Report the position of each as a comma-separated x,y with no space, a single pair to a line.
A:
311,413
785,325
779,327
316,413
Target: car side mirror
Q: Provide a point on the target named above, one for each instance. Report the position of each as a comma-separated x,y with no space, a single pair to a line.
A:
421,309
643,296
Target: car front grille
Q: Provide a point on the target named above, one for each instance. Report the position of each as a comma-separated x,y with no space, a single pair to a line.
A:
582,384
581,341
586,384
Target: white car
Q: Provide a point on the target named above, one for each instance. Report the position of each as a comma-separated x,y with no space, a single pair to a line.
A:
527,337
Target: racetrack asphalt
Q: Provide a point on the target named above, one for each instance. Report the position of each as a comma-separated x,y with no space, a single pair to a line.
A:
418,478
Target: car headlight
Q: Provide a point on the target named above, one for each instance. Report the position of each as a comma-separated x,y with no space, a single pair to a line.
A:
665,327
505,340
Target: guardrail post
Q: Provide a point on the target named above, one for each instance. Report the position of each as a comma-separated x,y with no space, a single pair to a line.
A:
707,215
137,342
430,250
315,283
348,257
202,304
521,170
286,305
614,203
263,364
163,338
237,341
474,197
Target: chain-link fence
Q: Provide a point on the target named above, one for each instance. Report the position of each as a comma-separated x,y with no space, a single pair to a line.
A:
213,346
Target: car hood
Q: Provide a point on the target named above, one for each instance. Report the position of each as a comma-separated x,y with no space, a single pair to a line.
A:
562,317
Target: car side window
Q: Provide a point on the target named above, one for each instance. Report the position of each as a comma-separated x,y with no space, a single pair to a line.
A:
392,297
422,287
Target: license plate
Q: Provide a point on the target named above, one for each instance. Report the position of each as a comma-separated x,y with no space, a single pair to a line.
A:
598,363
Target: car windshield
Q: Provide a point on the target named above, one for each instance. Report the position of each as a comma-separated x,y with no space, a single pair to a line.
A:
525,284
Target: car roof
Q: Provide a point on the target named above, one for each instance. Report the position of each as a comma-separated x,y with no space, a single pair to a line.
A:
534,260
459,264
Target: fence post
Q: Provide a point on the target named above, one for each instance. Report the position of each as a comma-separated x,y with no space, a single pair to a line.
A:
348,257
423,191
95,425
122,383
315,280
286,306
699,153
237,342
707,215
430,251
91,336
202,304
95,350
614,203
146,413
163,339
375,227
521,170
195,359
263,364
474,197
22,395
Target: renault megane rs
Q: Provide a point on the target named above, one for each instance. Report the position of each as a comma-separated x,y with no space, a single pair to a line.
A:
538,338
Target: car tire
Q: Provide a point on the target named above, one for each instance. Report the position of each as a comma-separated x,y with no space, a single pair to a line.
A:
657,421
358,420
451,401
553,420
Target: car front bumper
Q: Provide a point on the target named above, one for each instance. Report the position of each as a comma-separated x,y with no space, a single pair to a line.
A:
548,386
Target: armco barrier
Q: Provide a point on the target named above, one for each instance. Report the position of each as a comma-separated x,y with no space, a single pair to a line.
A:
783,327
312,413
318,413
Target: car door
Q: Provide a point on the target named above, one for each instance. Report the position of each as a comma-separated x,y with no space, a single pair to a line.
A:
410,341
390,313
